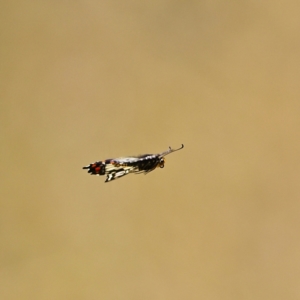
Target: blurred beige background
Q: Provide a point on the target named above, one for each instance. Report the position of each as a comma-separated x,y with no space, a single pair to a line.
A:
88,80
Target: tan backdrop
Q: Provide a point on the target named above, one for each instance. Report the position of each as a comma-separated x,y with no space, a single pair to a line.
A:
88,80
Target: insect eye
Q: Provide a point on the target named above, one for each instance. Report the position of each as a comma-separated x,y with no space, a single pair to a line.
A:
162,163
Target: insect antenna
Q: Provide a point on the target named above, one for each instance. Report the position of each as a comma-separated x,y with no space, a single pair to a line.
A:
171,150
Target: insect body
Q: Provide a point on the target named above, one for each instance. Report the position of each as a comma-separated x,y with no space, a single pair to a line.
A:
119,167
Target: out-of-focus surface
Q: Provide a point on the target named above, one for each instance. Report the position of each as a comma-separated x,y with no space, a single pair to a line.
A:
89,80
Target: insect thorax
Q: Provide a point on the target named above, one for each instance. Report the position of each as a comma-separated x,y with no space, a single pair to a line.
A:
149,162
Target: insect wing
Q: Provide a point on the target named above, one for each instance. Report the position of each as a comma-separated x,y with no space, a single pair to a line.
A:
97,168
119,167
117,173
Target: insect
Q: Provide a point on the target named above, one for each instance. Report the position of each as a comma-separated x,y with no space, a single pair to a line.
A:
118,167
